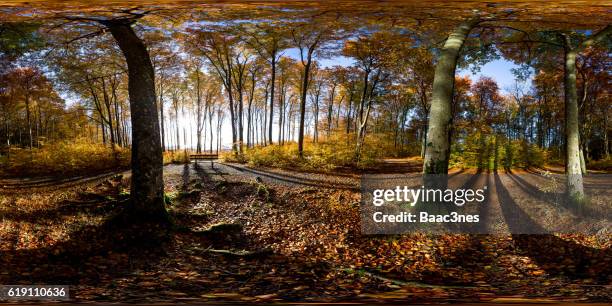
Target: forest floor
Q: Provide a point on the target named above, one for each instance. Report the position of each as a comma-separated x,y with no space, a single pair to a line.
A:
269,235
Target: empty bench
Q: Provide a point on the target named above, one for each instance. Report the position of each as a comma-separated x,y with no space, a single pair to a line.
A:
204,156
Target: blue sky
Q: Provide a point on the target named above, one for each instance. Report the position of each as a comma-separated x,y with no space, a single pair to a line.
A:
499,70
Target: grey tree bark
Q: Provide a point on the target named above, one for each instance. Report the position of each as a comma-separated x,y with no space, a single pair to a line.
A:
147,188
575,187
272,84
437,151
573,169
305,83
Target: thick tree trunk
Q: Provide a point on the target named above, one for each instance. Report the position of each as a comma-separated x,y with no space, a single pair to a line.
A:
437,151
575,186
147,188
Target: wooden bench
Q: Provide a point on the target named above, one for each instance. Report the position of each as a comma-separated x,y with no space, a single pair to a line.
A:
205,156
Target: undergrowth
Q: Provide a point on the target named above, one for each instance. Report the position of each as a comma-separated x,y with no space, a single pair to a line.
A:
323,156
64,159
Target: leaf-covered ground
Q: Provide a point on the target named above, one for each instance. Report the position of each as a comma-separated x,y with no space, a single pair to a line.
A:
241,240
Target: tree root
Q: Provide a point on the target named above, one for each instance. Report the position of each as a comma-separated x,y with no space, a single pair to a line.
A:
221,229
242,253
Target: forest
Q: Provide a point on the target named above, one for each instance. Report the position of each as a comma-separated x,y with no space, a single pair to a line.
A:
205,151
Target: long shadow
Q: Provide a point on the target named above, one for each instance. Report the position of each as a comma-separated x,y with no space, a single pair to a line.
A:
553,254
536,192
555,199
393,168
204,175
185,176
294,179
471,258
484,209
587,185
55,181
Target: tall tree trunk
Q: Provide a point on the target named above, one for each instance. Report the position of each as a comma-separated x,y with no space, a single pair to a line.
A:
316,117
437,150
281,115
582,162
103,130
303,105
240,120
117,120
178,143
115,103
423,141
272,83
249,110
161,113
330,109
606,131
210,125
28,118
107,105
198,113
349,113
264,122
147,188
573,170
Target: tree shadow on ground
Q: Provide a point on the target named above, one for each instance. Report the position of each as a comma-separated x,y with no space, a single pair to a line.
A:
294,180
556,199
555,255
